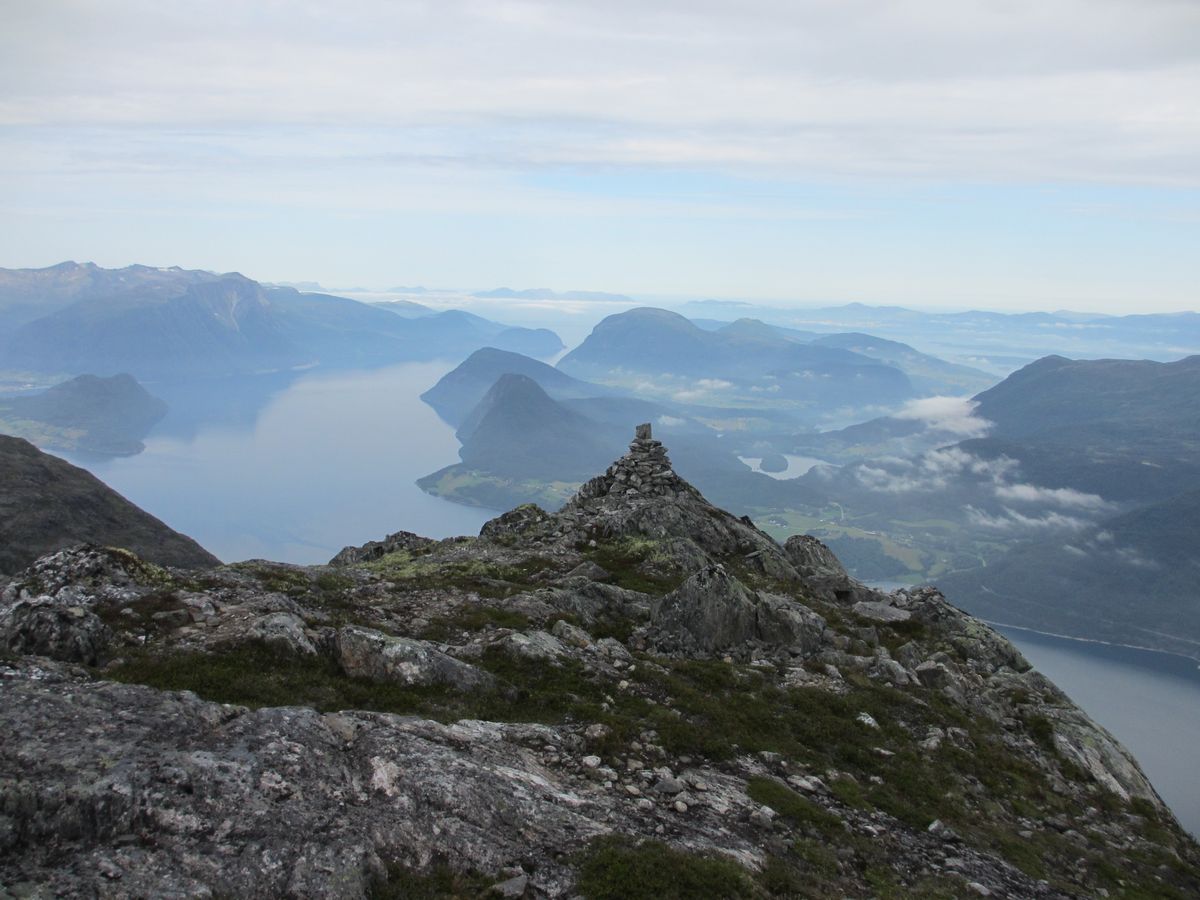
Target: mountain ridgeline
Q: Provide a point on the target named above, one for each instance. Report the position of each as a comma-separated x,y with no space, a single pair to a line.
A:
744,361
156,323
101,416
638,696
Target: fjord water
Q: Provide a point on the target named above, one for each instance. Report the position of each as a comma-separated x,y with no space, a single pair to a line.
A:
293,468
1149,701
297,468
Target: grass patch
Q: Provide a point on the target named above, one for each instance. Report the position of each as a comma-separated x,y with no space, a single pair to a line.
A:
796,810
437,883
617,868
637,564
494,580
473,618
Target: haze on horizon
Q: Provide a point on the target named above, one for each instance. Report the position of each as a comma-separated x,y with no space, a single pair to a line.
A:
971,154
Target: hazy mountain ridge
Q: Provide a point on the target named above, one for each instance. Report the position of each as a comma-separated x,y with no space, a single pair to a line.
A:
108,416
170,322
662,354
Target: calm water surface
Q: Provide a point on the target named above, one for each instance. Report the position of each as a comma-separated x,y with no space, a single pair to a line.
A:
302,467
1149,701
324,461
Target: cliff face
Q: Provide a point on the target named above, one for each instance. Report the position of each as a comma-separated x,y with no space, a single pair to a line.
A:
639,695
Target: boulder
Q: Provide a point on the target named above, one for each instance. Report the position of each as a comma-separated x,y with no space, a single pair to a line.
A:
365,653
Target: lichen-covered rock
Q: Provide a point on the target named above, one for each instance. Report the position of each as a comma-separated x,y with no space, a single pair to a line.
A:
365,653
45,626
514,522
282,631
712,613
371,550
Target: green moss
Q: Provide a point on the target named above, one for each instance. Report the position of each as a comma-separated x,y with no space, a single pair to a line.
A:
484,578
473,618
794,809
437,883
617,868
637,564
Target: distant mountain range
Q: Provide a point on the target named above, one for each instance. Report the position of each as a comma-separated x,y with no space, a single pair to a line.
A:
1076,512
105,416
994,341
530,433
1129,579
1065,466
74,318
459,391
663,354
47,504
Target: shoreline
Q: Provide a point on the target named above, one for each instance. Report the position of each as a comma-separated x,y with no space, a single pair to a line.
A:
1194,660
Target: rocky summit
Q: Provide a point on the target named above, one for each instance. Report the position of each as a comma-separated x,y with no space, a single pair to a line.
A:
639,696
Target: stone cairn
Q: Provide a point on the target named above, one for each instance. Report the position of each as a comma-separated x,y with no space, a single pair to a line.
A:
645,471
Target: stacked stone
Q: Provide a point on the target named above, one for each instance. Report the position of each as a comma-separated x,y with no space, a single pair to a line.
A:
645,470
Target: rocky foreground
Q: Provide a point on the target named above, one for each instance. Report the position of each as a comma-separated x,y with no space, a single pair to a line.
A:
639,696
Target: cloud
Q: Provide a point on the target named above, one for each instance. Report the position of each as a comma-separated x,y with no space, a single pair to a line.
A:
1097,89
671,421
955,415
1010,519
1068,497
932,471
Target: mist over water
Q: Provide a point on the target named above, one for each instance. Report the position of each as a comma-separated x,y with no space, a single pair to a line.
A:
329,460
1149,701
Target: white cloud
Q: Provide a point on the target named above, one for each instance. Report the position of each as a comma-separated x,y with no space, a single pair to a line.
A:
955,415
1031,493
1098,89
1010,519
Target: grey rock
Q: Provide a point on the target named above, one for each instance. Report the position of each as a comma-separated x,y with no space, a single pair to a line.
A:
284,632
713,613
45,626
372,550
881,612
364,653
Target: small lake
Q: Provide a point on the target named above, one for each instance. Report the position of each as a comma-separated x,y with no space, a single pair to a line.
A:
1149,701
796,465
299,468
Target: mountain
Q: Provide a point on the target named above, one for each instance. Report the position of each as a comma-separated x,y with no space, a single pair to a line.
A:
520,429
928,374
460,390
1121,404
981,339
47,504
519,444
1129,579
406,308
658,349
107,416
641,696
170,322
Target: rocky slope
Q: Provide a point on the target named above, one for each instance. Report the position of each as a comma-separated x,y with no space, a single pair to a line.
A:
47,504
639,696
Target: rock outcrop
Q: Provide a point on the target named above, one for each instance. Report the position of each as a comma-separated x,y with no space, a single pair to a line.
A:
638,683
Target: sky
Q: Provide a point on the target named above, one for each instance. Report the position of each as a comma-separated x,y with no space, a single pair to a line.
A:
1009,154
